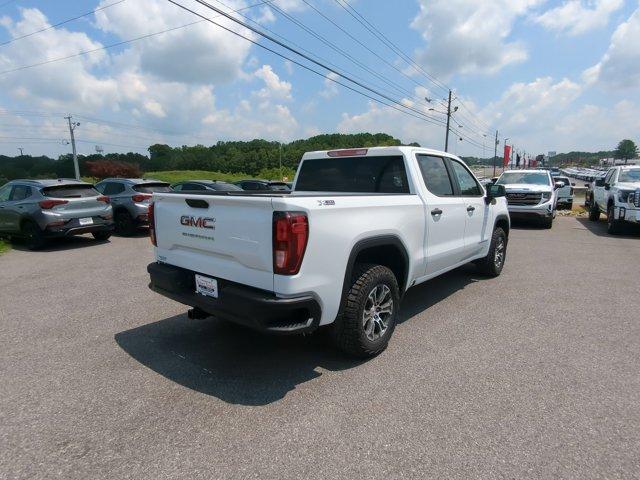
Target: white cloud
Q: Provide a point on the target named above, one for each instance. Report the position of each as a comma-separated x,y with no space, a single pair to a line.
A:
576,17
274,87
200,54
330,87
620,65
469,36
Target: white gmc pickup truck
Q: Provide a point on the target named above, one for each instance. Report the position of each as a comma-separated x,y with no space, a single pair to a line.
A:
360,227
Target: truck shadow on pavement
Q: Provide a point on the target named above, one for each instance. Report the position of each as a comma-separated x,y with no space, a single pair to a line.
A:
240,366
599,228
60,244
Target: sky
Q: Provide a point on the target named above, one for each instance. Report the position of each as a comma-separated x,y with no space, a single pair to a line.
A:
548,75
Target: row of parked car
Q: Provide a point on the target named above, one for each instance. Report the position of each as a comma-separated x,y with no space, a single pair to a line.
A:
36,210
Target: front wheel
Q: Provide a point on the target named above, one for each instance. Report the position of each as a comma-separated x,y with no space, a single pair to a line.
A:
613,226
493,263
369,316
594,212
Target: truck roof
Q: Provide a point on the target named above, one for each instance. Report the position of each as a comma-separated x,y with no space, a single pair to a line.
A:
371,151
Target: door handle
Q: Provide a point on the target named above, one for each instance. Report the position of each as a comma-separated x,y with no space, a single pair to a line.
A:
470,208
436,211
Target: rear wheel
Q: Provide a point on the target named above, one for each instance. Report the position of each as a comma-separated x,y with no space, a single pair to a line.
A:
124,224
369,316
34,237
101,236
614,226
547,223
493,263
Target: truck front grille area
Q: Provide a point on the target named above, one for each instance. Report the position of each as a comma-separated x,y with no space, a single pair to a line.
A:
524,198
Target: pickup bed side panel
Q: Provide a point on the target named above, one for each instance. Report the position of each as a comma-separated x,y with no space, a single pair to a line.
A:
227,237
334,230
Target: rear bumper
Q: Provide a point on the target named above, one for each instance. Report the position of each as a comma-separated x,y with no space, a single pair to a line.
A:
252,307
73,228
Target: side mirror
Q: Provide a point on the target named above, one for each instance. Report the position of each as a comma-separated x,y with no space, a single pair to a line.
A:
494,179
587,185
494,191
573,184
558,185
607,186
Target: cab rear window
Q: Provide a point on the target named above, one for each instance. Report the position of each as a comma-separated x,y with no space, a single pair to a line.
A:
70,191
152,188
374,174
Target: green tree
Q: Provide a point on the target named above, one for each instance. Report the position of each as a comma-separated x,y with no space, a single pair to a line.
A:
626,150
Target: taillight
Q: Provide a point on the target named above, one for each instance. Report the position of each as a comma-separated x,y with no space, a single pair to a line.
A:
49,204
104,199
290,234
140,197
152,225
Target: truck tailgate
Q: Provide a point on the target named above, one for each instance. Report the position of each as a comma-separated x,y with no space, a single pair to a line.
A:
226,237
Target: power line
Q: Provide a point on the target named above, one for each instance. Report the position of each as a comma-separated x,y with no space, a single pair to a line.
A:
306,57
60,23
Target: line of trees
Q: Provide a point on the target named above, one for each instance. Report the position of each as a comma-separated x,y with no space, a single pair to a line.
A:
248,158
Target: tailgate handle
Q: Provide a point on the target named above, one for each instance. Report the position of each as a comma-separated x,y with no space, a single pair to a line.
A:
197,203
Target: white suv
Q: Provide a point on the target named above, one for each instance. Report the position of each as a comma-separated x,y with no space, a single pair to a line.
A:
531,194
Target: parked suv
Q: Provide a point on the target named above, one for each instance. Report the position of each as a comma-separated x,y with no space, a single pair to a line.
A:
209,185
531,194
564,193
130,199
618,196
39,209
266,185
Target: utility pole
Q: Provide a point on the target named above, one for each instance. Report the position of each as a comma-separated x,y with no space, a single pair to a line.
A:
495,154
449,112
280,144
20,148
72,127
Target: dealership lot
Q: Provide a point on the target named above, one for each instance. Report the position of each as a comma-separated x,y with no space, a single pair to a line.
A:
531,374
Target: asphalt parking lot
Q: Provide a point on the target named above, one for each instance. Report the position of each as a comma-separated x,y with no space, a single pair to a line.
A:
534,374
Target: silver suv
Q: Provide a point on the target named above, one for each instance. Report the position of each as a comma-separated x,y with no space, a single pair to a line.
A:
130,198
39,209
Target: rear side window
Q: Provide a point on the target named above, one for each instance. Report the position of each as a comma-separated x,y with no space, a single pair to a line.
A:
20,192
354,174
152,188
435,175
112,188
70,191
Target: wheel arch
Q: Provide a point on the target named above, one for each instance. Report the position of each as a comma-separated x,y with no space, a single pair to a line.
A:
386,250
503,221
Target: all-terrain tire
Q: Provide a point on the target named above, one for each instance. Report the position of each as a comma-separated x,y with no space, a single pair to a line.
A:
614,227
350,330
493,263
101,236
594,212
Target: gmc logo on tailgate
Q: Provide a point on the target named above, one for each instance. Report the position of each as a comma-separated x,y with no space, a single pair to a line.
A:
198,222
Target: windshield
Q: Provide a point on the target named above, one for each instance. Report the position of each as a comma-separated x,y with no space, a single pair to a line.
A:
632,175
529,178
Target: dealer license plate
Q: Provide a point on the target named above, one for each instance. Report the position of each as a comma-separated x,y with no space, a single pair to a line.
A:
206,286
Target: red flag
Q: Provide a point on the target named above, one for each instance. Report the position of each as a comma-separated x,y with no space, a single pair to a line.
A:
507,155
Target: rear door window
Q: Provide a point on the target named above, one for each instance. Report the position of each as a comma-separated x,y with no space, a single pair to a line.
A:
374,174
435,175
5,192
70,191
